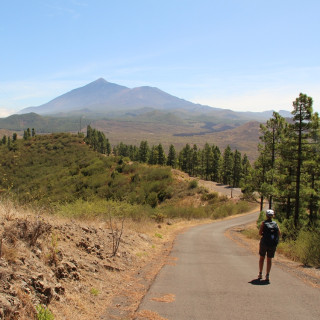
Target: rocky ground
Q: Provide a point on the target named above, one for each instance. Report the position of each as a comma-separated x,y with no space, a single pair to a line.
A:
72,267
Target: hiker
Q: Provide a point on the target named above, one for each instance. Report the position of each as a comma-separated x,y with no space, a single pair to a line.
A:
270,232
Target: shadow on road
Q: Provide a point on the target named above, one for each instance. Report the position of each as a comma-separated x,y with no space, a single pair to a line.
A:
258,282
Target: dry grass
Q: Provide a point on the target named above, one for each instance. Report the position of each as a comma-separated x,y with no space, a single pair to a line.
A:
9,253
28,310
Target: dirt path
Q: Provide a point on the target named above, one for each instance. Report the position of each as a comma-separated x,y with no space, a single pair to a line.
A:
222,189
212,186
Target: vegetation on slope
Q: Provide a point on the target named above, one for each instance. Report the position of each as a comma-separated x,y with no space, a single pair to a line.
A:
62,172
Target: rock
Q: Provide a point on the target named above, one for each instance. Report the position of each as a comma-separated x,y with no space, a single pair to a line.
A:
69,266
112,268
61,273
75,275
44,291
82,244
59,289
144,237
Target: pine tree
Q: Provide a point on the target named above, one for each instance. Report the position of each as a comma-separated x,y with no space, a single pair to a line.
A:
261,166
302,115
271,137
208,161
285,175
246,183
194,160
227,166
237,169
185,159
144,151
108,147
172,157
217,160
161,155
153,155
312,166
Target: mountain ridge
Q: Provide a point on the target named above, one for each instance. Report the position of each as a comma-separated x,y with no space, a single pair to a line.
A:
103,97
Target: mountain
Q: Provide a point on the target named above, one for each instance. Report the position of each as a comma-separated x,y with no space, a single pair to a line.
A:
103,97
95,93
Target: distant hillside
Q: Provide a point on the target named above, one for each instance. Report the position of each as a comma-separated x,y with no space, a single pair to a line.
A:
265,114
42,124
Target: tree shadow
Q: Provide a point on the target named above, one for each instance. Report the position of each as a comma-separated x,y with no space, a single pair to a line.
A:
259,282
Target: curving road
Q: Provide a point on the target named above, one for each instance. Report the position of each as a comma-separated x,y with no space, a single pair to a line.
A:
210,277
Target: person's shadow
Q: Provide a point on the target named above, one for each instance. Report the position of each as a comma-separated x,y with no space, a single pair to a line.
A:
259,282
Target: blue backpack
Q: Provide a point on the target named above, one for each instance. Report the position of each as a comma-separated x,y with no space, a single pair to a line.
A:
270,233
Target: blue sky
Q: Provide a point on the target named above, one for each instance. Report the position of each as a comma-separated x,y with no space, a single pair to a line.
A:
244,55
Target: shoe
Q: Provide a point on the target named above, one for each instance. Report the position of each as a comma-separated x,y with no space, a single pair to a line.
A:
267,278
260,276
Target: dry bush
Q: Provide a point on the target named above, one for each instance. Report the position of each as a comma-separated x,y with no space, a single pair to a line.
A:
27,310
9,253
30,231
51,257
7,209
8,245
116,233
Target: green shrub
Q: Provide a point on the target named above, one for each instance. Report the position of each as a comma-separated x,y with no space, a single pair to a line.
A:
43,313
152,199
158,216
210,196
230,208
193,184
94,291
307,247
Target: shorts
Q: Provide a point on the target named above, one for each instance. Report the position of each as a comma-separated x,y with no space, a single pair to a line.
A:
264,249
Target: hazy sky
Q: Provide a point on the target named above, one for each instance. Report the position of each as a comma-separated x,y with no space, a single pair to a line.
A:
239,54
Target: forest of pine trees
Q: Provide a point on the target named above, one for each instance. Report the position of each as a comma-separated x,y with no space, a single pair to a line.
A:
208,163
286,173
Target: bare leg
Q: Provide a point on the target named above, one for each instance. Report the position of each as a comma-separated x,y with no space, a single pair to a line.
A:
269,264
261,262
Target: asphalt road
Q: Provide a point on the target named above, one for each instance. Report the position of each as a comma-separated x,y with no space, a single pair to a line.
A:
211,277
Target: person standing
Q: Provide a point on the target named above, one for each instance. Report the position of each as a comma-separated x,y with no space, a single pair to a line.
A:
270,233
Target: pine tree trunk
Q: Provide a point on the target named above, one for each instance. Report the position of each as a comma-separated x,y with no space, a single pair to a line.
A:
261,203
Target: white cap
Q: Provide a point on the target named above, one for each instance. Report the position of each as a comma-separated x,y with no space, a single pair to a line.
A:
270,213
